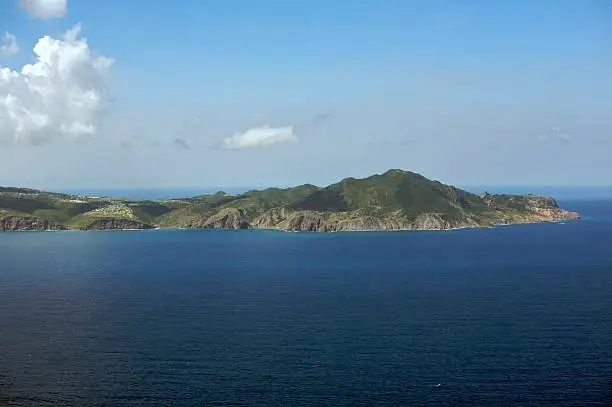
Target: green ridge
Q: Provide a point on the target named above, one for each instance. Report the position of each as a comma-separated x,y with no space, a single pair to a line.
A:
394,200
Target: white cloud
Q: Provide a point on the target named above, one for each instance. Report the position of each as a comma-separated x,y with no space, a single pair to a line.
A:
45,9
60,94
257,137
8,45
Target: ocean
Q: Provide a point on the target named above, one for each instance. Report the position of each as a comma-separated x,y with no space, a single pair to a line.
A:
509,316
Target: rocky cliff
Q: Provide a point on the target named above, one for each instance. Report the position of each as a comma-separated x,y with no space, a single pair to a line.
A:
27,223
116,224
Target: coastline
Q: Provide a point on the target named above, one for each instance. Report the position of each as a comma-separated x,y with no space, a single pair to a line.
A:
255,229
379,203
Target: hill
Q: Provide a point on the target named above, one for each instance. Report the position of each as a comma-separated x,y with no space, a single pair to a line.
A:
395,200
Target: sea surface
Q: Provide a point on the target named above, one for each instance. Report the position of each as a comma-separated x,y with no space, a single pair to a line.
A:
509,316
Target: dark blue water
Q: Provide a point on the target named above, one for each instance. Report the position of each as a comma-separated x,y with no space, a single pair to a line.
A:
511,316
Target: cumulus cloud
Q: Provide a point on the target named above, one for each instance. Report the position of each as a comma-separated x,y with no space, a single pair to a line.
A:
8,45
258,137
60,94
45,9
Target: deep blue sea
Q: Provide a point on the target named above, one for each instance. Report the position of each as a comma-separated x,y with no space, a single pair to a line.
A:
510,316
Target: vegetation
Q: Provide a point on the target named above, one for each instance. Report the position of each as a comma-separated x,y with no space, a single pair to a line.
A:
393,200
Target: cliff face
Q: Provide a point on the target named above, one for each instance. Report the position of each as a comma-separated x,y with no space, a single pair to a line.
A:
226,219
17,223
496,210
313,222
539,215
115,224
546,208
534,209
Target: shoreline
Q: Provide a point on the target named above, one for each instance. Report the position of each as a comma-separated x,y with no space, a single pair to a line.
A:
300,231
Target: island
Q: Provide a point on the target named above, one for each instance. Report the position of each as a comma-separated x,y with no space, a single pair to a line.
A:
395,200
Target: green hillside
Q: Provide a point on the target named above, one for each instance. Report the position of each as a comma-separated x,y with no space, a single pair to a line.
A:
394,200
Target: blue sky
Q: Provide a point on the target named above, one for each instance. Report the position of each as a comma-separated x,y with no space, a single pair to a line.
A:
235,93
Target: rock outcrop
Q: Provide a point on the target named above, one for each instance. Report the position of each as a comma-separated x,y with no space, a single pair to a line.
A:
17,223
355,221
116,224
227,219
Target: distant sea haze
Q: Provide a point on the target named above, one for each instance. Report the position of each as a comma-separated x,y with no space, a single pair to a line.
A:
558,192
150,193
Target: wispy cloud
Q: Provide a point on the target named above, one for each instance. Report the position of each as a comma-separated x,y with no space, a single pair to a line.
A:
59,95
555,134
320,118
45,9
259,137
181,143
8,45
388,143
139,143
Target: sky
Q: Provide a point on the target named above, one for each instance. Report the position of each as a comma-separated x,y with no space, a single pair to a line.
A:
196,93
